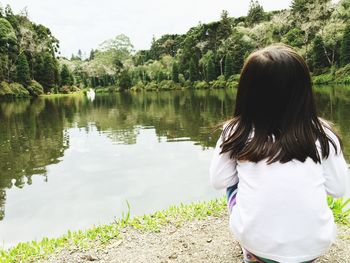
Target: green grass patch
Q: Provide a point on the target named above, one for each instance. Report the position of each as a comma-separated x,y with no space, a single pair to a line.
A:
177,215
59,95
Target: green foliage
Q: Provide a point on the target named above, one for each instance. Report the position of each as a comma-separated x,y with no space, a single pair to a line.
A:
175,72
294,37
193,71
299,6
35,89
201,85
219,83
210,69
7,33
319,56
23,75
66,77
50,72
345,46
13,90
124,80
322,79
255,13
229,66
341,210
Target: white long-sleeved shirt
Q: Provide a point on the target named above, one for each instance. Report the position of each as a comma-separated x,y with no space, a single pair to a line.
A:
281,211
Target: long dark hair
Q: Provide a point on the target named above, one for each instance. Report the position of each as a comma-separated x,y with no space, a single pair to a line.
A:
275,116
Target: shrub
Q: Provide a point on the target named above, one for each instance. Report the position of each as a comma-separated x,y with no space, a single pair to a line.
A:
182,79
323,79
232,84
5,89
18,90
138,87
152,86
201,85
35,89
220,83
234,78
64,89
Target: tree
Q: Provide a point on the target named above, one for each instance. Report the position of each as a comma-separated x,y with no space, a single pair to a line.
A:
193,71
299,6
345,46
65,75
225,28
175,72
229,67
92,54
80,54
124,80
23,74
49,72
255,13
318,53
211,74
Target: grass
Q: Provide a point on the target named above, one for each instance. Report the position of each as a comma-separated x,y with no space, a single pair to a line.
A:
178,215
59,95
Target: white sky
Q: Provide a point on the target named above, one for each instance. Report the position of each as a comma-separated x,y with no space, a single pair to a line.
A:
83,24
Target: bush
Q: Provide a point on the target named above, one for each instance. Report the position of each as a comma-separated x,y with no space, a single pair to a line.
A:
343,75
35,89
168,85
5,90
323,79
234,78
138,87
201,85
64,89
232,84
182,79
152,86
220,83
18,90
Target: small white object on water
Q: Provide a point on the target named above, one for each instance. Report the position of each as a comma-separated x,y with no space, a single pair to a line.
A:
90,94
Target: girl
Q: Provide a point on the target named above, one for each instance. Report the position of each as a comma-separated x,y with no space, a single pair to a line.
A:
278,161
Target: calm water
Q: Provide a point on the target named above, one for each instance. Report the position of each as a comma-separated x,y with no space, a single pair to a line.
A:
70,163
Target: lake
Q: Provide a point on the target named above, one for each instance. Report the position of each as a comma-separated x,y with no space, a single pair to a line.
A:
68,163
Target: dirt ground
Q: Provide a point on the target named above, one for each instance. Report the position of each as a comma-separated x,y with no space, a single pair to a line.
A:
198,241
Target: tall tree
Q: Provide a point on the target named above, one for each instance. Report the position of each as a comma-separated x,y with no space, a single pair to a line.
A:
299,6
65,75
345,46
175,72
255,13
318,53
193,71
23,73
229,67
49,72
211,74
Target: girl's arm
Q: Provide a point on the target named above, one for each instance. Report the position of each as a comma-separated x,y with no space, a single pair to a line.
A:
223,172
335,171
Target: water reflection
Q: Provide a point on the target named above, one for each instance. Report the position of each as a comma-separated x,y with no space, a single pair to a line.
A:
115,142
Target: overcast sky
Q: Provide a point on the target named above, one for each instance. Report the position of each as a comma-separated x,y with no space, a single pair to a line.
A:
83,24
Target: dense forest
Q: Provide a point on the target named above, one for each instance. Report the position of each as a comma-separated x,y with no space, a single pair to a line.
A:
211,55
207,56
28,64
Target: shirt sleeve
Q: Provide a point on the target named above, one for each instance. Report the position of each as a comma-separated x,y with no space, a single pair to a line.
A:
223,169
335,171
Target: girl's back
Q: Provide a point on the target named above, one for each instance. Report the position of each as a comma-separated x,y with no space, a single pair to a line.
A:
281,161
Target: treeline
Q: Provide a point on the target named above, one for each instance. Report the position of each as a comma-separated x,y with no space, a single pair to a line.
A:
211,55
28,63
207,56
